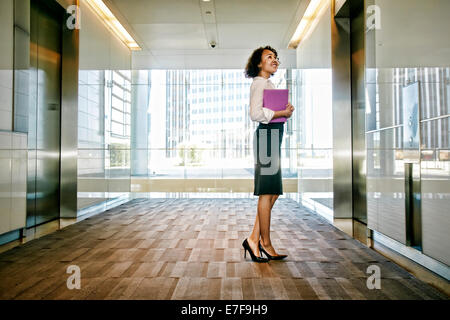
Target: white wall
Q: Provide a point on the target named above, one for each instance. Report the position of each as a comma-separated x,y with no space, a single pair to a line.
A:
6,63
13,146
315,51
413,33
13,180
100,49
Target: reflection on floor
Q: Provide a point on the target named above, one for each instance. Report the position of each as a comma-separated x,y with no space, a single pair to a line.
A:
191,249
353,228
86,202
327,202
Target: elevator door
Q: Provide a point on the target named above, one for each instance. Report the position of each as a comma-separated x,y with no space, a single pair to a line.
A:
44,117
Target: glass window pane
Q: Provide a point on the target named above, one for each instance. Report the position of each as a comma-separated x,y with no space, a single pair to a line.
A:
117,115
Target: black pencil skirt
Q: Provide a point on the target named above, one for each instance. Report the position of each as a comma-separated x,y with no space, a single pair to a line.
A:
267,154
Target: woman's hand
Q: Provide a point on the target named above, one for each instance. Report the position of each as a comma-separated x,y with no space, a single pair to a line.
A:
289,110
286,113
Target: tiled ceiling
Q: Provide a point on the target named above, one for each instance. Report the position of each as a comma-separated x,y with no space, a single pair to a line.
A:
177,33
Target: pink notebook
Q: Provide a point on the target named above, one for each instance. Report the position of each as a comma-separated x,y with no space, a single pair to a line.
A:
276,100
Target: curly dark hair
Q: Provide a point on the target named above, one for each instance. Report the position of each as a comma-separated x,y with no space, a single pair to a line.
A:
252,69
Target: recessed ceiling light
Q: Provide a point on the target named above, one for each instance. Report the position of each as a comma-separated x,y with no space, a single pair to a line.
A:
111,21
311,17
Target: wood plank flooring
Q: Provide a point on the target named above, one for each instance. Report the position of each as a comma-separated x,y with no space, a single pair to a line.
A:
191,249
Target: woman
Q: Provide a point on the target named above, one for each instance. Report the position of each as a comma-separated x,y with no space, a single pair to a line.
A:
262,64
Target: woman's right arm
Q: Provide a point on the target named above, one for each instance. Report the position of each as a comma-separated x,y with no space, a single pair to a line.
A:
257,111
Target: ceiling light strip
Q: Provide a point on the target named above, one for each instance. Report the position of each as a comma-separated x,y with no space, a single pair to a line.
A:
310,19
111,21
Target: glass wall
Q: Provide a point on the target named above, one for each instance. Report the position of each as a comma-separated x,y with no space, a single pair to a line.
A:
314,140
199,125
151,130
312,91
155,125
407,120
154,130
104,135
104,114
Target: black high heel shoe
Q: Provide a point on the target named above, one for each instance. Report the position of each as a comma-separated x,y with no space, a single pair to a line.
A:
277,257
254,258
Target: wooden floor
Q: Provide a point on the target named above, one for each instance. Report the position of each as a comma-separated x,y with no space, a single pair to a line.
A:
191,249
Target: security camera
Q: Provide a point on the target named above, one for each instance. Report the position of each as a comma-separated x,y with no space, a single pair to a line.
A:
212,44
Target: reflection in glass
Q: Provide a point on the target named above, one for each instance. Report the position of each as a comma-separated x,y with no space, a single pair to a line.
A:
311,138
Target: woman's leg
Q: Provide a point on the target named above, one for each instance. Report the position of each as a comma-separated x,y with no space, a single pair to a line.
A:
264,213
265,231
274,198
261,228
256,233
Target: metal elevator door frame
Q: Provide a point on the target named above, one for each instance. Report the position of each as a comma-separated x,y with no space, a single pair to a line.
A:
348,82
43,185
358,107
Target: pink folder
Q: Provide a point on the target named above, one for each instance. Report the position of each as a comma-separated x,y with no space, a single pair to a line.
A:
276,100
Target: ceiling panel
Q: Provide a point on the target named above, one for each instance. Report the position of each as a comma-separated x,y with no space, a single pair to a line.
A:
250,35
177,33
172,36
159,11
248,11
